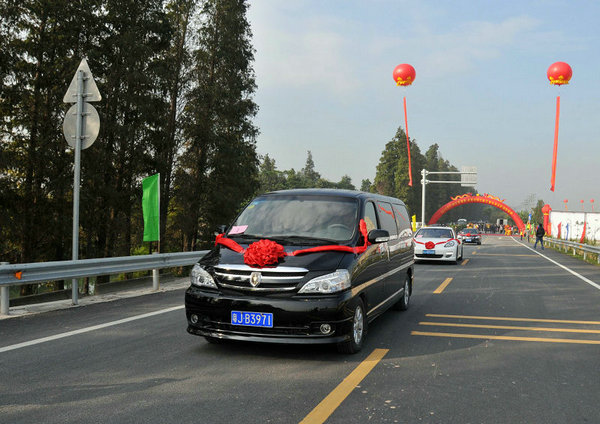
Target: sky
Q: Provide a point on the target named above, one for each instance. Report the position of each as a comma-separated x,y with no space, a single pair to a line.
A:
324,75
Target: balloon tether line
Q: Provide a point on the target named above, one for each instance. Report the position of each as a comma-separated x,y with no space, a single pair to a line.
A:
553,179
410,183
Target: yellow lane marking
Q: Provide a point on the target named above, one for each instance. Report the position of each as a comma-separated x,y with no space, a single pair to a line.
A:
511,327
474,252
443,285
328,405
465,262
524,339
514,319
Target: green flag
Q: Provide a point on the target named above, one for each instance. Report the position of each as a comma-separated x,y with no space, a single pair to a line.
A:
151,207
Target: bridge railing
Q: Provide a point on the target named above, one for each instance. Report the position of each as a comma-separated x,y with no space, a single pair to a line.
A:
566,245
41,272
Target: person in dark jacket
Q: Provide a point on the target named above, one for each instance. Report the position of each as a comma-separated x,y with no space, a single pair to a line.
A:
539,236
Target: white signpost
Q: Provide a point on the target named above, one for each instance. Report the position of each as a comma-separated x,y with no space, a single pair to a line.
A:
468,178
80,127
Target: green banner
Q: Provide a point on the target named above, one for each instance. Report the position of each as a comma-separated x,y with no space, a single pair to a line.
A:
151,207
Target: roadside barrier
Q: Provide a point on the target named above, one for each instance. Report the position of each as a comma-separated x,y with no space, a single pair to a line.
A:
42,272
574,246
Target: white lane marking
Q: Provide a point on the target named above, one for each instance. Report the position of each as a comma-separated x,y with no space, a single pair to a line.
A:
87,329
590,282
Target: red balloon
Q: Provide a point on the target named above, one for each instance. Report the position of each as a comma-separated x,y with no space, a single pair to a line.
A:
404,74
559,73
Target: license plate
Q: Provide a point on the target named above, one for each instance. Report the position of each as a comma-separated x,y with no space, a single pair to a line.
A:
468,239
252,319
429,252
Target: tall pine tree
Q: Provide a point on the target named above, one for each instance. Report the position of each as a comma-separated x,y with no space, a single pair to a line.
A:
219,168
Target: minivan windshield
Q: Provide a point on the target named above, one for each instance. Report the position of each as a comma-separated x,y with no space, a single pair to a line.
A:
302,219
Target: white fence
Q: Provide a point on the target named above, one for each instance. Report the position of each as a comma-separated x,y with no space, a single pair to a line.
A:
571,225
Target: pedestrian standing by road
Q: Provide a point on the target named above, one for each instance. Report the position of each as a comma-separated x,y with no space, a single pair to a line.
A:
539,236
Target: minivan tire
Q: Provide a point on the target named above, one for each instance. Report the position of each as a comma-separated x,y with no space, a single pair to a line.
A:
404,302
357,333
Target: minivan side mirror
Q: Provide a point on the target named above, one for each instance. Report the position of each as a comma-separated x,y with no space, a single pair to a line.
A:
220,229
378,236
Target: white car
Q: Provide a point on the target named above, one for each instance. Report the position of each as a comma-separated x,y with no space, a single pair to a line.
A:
437,244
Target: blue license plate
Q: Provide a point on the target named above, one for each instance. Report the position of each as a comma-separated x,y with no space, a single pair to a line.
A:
429,252
252,319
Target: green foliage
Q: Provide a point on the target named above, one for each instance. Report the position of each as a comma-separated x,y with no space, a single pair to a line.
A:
176,80
272,179
365,185
392,177
537,215
219,166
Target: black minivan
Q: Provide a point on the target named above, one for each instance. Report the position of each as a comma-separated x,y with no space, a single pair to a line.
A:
304,266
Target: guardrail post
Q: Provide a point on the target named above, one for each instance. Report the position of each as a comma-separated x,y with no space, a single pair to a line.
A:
4,297
155,281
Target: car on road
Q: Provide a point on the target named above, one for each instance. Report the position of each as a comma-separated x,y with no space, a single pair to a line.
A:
304,266
437,244
469,235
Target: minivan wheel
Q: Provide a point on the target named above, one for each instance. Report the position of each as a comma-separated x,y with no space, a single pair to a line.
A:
357,333
402,304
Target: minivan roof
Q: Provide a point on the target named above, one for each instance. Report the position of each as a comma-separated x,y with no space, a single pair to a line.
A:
335,192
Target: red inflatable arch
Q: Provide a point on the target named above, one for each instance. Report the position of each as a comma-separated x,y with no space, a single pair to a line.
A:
469,198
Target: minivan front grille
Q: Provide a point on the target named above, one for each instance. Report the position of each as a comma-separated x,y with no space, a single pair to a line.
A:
278,279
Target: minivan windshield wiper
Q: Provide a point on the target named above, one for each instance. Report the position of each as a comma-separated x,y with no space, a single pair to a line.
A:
246,236
299,240
294,240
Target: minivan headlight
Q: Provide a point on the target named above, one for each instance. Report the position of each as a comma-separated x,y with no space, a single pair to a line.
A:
201,278
328,283
450,243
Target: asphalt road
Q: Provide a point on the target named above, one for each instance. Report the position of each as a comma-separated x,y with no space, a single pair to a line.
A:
511,338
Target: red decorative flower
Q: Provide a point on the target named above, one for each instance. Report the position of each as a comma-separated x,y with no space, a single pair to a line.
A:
263,252
429,245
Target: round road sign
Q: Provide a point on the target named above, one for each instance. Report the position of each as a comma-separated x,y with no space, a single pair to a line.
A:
90,128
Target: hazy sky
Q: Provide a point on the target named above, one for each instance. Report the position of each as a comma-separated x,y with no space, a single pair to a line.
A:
324,74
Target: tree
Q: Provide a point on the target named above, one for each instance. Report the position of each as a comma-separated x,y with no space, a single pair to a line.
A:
174,68
345,183
309,175
269,177
392,178
537,215
37,60
365,185
219,167
131,44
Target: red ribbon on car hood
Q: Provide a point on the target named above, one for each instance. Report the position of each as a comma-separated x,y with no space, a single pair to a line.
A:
435,244
267,252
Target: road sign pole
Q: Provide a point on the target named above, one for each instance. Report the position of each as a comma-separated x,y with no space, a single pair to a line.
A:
80,134
77,181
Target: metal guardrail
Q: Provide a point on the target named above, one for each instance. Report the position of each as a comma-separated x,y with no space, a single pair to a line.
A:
566,245
18,274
